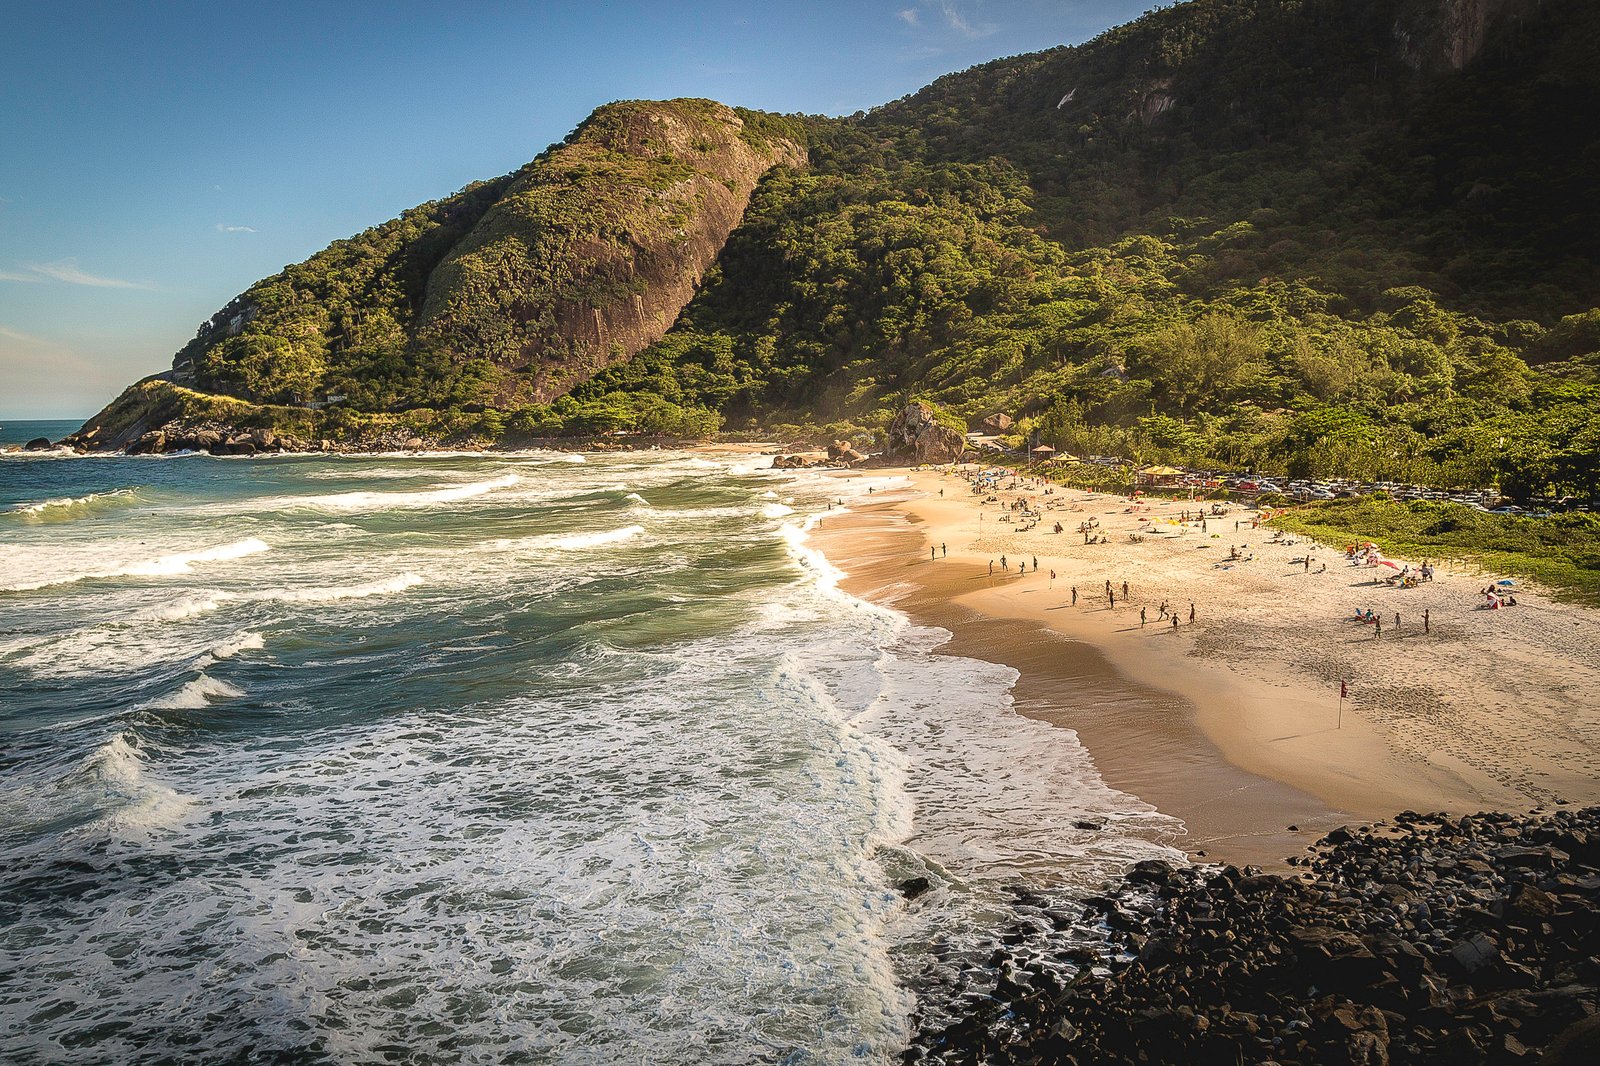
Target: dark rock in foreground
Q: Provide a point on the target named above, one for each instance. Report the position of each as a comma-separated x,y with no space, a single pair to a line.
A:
1431,940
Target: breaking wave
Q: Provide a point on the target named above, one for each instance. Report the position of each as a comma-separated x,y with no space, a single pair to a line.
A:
378,501
67,508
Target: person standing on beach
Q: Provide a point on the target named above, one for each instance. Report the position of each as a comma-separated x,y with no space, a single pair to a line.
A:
1174,621
930,552
1141,618
1036,564
991,568
944,550
1074,595
1377,626
1003,564
1425,627
1112,596
1124,591
1191,614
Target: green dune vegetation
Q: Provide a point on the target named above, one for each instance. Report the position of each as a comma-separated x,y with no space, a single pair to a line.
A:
1302,237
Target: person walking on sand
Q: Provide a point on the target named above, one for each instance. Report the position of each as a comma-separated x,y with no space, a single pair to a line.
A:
1124,590
1377,626
1191,614
1425,627
1074,595
944,550
991,568
1141,618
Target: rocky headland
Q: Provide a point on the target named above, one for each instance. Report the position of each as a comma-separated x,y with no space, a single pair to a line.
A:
1427,939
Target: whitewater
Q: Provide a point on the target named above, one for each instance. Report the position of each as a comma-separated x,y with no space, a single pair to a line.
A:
491,758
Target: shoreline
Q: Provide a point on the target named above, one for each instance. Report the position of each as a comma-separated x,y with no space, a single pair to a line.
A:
1232,724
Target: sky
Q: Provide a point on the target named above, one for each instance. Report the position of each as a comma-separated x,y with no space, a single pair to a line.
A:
157,158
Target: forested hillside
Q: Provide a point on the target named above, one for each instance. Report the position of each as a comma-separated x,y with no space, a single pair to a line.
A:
1321,236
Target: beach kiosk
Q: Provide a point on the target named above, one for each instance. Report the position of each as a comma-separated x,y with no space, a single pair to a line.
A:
1157,476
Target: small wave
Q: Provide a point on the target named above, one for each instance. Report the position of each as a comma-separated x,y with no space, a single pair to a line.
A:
116,764
638,499
117,768
67,508
190,606
578,541
398,583
361,501
182,563
195,695
775,510
237,643
163,566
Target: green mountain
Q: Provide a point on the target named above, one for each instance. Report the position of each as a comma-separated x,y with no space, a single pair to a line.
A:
1321,236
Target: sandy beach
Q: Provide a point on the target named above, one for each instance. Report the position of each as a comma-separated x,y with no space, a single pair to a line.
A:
1232,722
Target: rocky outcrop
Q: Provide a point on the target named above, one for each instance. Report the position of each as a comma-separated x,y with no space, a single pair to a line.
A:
591,254
1431,940
38,444
917,435
842,451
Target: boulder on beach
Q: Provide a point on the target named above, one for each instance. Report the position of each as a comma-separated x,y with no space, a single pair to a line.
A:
917,434
38,444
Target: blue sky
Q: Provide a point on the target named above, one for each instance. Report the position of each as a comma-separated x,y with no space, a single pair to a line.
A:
158,158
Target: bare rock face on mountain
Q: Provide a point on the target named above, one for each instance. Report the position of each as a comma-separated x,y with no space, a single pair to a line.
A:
592,252
918,435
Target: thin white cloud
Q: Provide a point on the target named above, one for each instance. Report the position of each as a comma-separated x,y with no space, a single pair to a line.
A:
233,229
959,22
7,275
949,13
66,271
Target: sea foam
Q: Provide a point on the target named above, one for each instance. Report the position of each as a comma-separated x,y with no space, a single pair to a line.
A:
579,541
378,501
162,566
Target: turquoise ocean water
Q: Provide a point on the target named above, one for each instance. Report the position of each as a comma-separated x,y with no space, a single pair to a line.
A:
468,758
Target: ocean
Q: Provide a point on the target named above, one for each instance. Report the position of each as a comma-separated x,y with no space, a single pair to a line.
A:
490,758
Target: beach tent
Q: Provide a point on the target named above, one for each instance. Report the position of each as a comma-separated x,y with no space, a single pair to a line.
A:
1044,449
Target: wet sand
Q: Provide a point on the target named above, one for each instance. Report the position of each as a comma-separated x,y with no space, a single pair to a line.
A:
1143,740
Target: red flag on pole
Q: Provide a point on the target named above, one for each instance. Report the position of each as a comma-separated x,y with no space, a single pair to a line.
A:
1344,691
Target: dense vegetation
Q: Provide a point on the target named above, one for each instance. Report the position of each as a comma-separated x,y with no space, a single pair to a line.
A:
1300,236
1259,235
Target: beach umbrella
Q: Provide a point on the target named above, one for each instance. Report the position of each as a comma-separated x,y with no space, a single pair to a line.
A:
1505,581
